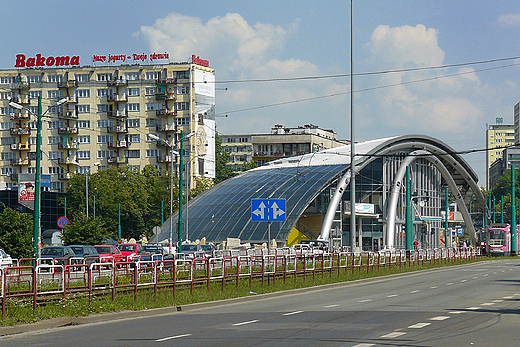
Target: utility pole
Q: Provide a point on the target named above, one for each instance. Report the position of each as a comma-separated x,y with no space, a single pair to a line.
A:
37,181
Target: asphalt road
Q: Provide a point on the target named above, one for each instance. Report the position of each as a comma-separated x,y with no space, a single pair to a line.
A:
471,305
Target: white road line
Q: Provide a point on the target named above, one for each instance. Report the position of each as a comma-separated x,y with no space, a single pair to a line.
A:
488,304
172,337
508,297
419,325
439,318
456,312
498,300
473,308
463,281
434,287
366,300
449,284
475,278
392,296
364,345
414,291
291,313
392,335
329,306
244,323
516,294
486,275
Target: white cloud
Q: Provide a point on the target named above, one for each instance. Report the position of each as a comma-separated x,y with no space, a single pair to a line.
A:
510,19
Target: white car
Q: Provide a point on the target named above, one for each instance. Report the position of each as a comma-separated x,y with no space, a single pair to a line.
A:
5,259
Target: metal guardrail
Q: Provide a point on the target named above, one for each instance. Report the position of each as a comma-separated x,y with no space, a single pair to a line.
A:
62,277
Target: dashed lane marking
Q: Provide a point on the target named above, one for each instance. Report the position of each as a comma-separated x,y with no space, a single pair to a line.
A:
462,281
364,345
392,335
291,313
498,300
473,308
172,337
488,304
419,325
449,284
366,300
434,287
440,318
392,296
456,312
414,291
329,306
244,323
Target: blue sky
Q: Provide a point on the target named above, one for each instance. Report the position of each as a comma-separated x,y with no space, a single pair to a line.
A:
245,40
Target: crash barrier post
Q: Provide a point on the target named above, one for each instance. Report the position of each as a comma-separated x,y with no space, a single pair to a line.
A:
231,270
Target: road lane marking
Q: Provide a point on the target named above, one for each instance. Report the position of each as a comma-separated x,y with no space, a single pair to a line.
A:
498,300
449,284
488,304
291,313
456,312
508,297
463,281
329,306
392,335
364,345
366,300
439,318
414,291
473,308
475,278
486,275
244,323
392,296
171,337
419,325
434,287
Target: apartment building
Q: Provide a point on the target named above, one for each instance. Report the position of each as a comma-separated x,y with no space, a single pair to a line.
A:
498,136
103,114
282,142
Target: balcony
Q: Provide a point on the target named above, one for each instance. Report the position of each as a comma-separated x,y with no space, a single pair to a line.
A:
67,161
162,128
118,114
169,80
20,161
117,160
67,130
67,84
20,131
20,147
165,96
118,144
117,98
20,85
20,99
117,83
120,129
68,145
166,159
64,176
20,116
71,99
68,114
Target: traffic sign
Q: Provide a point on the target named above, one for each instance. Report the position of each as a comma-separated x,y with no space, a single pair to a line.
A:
268,210
63,222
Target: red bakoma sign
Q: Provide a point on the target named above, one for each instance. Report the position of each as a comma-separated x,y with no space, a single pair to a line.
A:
39,60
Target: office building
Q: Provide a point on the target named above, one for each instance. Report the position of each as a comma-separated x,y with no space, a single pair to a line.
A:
498,136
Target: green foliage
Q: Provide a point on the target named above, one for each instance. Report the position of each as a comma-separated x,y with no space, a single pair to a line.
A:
202,185
250,165
16,231
222,171
503,189
84,231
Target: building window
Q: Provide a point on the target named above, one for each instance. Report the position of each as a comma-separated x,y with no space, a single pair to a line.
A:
132,76
54,78
54,170
34,79
55,94
83,93
83,124
104,76
182,121
133,92
153,106
104,123
182,106
133,123
150,91
152,122
181,74
6,79
105,138
8,155
153,153
34,94
83,154
105,154
104,92
56,124
83,139
53,140
55,155
84,108
132,107
152,75
134,138
8,140
84,77
182,90
7,125
132,153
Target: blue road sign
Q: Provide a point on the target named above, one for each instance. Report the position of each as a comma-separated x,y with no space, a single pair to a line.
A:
268,210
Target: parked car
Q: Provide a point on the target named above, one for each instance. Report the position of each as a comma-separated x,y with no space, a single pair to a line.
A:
109,253
192,251
89,253
151,252
130,250
61,254
5,259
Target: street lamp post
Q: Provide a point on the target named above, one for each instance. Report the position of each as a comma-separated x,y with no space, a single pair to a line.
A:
172,151
37,175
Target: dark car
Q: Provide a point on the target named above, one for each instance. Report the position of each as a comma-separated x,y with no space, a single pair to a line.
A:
57,255
89,253
150,252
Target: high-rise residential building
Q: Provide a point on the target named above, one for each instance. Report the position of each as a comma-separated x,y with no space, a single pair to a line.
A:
498,136
103,114
282,142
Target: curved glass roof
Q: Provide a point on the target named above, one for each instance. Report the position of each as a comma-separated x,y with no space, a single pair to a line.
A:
225,210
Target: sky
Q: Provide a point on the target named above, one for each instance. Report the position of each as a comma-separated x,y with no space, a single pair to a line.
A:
261,49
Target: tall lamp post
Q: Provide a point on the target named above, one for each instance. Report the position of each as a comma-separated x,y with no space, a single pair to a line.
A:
37,175
172,151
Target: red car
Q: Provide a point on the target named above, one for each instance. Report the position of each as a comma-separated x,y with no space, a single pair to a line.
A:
109,253
130,250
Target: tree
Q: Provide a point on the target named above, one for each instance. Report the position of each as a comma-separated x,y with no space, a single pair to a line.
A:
16,231
222,171
250,165
85,231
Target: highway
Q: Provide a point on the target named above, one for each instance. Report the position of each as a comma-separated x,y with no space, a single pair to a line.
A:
469,305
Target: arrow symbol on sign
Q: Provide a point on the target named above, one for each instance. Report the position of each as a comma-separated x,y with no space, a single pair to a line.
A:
260,210
277,211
